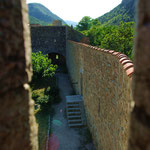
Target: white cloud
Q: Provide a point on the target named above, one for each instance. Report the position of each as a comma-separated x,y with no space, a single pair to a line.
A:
75,10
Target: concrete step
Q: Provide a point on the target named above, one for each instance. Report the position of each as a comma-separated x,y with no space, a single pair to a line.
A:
76,125
76,121
73,102
74,98
73,105
73,113
74,117
73,109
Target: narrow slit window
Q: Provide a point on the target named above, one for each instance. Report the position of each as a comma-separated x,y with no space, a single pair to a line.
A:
57,56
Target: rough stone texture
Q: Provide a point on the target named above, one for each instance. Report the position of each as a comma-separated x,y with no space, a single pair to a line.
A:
49,39
76,36
101,79
140,118
17,122
52,39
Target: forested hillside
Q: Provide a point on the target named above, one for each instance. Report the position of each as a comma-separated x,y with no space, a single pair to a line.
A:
115,37
39,14
124,12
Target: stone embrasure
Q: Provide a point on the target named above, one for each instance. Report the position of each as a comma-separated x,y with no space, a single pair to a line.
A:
17,121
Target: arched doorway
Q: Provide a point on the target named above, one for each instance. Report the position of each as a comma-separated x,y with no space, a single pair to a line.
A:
58,59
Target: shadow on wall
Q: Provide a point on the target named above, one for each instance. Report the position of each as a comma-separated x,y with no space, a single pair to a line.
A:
57,59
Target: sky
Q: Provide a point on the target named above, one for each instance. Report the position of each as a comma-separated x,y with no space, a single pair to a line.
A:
75,10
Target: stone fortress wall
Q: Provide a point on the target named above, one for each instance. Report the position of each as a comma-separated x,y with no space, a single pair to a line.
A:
52,39
103,77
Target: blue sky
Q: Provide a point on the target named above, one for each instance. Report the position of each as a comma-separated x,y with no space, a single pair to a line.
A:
75,10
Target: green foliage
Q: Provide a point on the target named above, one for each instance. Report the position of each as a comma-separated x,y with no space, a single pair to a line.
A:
86,23
120,38
42,66
114,31
43,100
54,91
116,37
124,12
46,94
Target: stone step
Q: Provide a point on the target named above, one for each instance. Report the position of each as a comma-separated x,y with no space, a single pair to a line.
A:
76,121
74,117
76,125
73,110
73,113
73,105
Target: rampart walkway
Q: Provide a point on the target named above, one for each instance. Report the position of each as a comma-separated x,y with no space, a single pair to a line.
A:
64,138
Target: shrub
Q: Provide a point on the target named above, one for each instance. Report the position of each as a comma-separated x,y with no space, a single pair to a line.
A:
54,92
42,66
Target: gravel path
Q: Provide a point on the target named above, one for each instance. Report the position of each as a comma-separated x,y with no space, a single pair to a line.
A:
63,137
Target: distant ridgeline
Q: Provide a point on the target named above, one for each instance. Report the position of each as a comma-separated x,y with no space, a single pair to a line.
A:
39,14
123,12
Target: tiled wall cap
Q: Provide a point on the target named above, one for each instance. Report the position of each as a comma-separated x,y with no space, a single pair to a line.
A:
128,65
106,51
123,58
122,54
130,71
115,53
125,61
111,51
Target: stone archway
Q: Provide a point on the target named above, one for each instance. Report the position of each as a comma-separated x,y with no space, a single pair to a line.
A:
57,59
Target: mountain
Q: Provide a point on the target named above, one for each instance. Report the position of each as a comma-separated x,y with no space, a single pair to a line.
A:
34,20
124,12
71,23
39,14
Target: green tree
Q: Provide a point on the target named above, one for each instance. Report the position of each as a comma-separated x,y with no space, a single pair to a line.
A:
84,24
118,38
42,66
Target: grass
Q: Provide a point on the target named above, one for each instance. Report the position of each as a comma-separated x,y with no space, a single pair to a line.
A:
42,121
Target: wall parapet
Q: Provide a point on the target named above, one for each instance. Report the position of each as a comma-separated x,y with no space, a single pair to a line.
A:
123,59
103,78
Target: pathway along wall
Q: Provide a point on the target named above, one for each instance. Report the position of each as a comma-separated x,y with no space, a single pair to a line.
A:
17,122
104,79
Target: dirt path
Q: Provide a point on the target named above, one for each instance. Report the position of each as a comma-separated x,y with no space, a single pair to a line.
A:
63,137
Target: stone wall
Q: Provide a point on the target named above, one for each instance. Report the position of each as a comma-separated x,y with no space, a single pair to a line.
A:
140,117
17,122
76,36
104,79
52,39
49,39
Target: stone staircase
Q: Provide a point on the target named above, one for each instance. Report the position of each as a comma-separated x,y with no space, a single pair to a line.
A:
75,111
